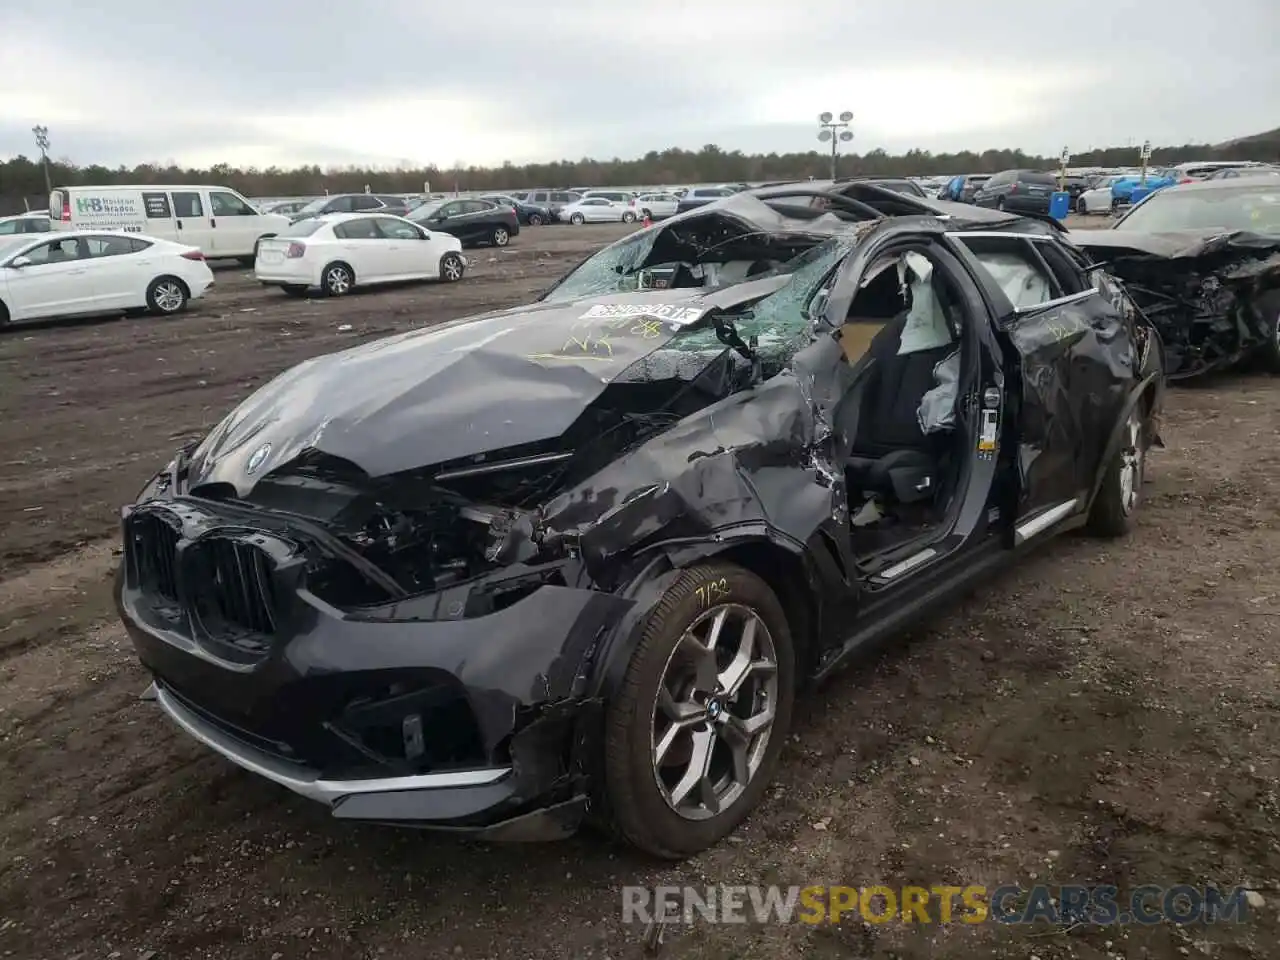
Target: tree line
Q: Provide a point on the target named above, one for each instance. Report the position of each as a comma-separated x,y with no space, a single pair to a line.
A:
22,178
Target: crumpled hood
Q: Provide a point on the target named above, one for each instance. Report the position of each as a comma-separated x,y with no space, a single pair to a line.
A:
449,391
1173,244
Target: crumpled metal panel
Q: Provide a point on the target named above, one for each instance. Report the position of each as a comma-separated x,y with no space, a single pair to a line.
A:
1201,291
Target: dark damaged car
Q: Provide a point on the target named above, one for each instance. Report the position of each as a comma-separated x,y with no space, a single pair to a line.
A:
576,559
1202,260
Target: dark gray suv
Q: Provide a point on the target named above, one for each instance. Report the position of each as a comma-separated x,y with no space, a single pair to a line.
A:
552,200
1018,191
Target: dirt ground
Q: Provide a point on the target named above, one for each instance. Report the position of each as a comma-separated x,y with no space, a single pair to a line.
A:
1108,712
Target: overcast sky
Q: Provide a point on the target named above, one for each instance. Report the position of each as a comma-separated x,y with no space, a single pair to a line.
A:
401,81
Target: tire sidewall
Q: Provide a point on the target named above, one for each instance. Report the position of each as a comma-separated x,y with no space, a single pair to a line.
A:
639,810
324,280
154,305
501,236
535,220
462,267
577,219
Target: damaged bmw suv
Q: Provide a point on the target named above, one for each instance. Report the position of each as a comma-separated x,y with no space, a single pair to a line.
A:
575,559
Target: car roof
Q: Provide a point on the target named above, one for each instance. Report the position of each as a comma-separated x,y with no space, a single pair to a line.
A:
361,215
1209,186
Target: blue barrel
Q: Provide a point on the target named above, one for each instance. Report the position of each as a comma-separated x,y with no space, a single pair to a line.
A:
1138,193
1059,204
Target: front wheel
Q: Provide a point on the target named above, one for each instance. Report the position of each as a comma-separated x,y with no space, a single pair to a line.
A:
1117,501
628,217
167,296
535,220
500,237
693,737
577,219
452,266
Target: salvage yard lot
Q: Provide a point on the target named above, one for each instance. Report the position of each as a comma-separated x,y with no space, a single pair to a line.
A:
1106,712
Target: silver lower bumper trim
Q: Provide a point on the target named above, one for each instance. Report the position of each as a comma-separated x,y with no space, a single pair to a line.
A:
301,780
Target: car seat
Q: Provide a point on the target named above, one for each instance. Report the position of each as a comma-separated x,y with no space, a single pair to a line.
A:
890,454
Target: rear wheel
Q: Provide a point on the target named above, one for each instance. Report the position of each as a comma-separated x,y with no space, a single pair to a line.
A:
577,219
1268,307
4,315
999,203
452,266
337,280
167,296
628,217
294,289
535,219
1117,501
500,237
693,737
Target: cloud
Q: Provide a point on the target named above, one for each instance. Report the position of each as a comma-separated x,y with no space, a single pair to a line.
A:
287,82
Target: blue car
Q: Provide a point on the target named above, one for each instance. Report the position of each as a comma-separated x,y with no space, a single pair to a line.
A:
1122,189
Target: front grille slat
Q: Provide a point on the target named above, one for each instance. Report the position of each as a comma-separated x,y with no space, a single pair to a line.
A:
228,585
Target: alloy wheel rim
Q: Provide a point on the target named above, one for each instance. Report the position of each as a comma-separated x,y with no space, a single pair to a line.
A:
452,269
339,282
1131,457
168,297
500,237
713,715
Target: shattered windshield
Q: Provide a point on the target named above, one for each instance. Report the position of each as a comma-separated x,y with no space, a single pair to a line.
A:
614,269
1253,207
780,322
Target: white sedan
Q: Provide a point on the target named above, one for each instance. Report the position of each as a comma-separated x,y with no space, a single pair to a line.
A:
337,251
97,271
1097,200
597,210
657,205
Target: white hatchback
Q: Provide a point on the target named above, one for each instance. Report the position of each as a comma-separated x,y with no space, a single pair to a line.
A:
337,251
97,271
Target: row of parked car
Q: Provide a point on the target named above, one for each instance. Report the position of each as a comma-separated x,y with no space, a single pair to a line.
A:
1103,191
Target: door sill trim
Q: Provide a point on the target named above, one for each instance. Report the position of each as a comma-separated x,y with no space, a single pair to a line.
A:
1043,521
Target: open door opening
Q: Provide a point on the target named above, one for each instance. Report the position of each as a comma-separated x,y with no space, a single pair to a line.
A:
900,422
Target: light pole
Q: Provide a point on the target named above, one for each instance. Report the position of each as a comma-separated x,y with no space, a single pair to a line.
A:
42,141
836,132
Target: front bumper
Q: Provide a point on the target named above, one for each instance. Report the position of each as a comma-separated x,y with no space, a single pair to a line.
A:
500,706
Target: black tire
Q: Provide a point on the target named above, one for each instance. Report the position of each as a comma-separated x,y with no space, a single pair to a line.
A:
4,315
452,267
1079,205
1269,307
577,219
337,279
294,289
535,219
500,236
1000,203
628,216
1117,501
247,261
633,803
167,296
647,214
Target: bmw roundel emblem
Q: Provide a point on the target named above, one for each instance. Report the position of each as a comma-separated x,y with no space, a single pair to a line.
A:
258,458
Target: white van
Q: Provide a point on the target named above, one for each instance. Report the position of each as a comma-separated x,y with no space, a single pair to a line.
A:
218,220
